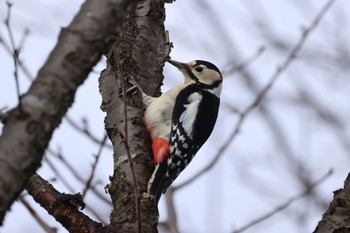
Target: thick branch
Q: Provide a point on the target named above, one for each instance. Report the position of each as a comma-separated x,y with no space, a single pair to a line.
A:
63,207
26,135
261,95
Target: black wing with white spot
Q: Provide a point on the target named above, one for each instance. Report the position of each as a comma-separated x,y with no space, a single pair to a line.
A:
193,120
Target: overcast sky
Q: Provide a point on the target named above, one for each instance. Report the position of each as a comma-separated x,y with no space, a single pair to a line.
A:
254,175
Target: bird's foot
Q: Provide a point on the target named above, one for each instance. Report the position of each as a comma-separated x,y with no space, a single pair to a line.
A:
133,89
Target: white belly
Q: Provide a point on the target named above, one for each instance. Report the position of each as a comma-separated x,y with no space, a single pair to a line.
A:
158,114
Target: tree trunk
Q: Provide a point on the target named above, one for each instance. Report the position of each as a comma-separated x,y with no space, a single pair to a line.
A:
28,127
336,219
139,54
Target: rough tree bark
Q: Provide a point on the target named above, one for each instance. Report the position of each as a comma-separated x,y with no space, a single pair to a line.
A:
336,219
139,53
28,127
63,207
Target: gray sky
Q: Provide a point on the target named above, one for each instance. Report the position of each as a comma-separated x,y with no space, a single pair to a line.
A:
256,173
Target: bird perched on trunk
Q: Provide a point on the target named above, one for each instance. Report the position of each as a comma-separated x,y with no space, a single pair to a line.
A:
181,120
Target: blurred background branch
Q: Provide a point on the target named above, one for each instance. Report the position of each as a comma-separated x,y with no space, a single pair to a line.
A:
290,136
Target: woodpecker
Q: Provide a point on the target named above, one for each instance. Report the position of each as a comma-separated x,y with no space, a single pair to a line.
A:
181,120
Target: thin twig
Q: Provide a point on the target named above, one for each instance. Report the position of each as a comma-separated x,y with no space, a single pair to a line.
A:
59,156
71,189
22,40
244,64
30,77
291,56
92,174
60,176
85,131
40,221
127,147
21,65
217,156
290,201
15,54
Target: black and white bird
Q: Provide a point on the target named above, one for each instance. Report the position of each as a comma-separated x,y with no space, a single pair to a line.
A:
181,120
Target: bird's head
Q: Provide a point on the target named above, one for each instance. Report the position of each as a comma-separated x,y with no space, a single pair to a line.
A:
202,73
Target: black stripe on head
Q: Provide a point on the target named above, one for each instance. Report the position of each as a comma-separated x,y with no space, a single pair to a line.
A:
209,86
192,76
208,65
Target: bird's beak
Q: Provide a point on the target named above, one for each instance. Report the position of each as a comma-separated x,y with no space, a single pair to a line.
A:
179,65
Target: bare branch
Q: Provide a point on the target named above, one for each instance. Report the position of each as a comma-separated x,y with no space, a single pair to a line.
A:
69,186
97,156
85,131
290,201
15,54
61,206
79,48
21,65
291,56
22,41
81,179
236,68
40,221
59,175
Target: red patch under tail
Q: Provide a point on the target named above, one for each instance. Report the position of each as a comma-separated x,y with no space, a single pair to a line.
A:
160,148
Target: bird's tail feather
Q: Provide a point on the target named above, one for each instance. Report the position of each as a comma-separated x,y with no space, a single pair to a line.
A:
156,184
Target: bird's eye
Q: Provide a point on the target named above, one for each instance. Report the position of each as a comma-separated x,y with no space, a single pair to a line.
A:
199,69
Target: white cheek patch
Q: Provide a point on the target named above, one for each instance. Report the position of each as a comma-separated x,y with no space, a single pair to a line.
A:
188,117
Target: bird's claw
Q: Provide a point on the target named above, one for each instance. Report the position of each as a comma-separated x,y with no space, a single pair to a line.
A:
132,90
146,195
